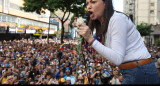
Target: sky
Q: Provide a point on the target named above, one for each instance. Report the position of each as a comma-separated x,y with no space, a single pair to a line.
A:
118,5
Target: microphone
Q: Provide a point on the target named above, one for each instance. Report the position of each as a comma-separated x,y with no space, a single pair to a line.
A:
87,18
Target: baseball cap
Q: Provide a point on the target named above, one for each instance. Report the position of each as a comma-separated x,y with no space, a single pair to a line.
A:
3,71
68,78
62,80
79,71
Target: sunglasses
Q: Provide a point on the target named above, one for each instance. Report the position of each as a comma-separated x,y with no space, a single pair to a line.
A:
10,79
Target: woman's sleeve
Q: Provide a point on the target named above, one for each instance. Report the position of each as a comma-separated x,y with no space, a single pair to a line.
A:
118,42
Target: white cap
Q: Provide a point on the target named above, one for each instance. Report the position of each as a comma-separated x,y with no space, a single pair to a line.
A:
68,78
3,71
99,64
79,71
91,64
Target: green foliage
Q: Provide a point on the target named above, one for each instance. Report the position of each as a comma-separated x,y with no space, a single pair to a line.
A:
72,6
72,20
158,43
26,26
144,29
38,6
8,23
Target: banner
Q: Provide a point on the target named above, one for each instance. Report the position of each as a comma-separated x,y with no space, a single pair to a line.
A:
12,29
50,32
2,29
30,31
20,30
38,32
16,30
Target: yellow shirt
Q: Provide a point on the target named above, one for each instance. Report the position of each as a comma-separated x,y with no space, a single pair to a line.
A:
86,80
4,80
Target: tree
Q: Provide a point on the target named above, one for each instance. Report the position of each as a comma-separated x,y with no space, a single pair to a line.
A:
158,43
144,29
70,6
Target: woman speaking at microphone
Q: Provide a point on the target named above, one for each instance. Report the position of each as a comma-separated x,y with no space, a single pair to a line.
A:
122,44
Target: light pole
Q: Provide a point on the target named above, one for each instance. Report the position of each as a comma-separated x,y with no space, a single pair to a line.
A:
48,30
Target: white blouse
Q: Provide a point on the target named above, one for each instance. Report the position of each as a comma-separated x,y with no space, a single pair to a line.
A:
123,42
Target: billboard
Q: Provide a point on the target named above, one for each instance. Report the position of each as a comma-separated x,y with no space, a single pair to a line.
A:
2,29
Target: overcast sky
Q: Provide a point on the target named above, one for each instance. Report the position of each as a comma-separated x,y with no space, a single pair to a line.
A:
118,5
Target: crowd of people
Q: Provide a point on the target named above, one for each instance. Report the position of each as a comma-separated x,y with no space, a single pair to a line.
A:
37,62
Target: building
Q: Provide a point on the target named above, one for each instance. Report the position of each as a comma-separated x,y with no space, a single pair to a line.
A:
12,16
147,11
129,8
143,11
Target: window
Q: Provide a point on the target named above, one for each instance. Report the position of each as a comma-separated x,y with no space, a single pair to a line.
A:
152,4
3,18
151,11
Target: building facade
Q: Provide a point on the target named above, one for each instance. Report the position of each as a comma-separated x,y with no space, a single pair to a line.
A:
147,11
12,16
143,11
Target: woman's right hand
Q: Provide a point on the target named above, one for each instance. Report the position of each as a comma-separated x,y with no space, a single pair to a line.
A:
84,31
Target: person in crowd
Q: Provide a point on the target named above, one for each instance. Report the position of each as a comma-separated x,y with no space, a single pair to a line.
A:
68,81
157,63
3,79
71,78
115,80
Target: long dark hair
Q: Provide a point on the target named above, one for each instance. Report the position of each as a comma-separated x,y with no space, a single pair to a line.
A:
108,12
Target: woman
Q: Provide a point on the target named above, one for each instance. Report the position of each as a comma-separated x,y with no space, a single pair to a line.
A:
122,44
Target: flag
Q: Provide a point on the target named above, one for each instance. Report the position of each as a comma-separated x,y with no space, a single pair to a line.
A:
85,44
73,51
99,38
62,46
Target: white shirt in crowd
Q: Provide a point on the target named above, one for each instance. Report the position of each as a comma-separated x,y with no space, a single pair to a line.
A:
123,42
115,81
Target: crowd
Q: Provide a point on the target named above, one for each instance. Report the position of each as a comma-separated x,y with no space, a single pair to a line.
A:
37,62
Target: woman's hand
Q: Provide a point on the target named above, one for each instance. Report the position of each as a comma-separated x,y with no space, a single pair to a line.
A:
85,32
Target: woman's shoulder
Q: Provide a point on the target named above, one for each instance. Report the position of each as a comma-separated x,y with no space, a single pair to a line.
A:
119,15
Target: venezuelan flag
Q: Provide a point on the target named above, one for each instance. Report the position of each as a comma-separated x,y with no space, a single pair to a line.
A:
62,46
99,38
85,44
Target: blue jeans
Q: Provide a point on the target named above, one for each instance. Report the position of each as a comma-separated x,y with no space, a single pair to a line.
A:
145,74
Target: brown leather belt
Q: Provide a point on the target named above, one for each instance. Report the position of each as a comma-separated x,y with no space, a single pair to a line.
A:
134,64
